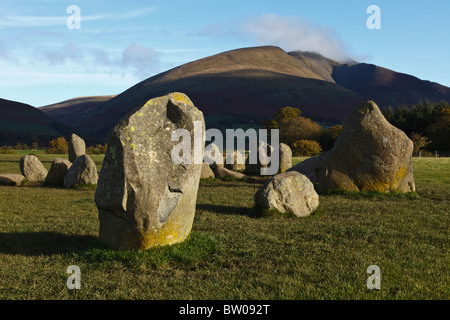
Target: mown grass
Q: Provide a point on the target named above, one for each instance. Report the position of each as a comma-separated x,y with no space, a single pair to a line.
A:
10,163
235,251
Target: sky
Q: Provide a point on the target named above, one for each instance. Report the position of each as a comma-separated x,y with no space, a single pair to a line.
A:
46,56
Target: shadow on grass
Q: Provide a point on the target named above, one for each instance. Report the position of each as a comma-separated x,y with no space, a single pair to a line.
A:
43,243
227,210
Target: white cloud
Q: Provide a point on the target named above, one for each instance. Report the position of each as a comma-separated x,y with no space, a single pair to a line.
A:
134,60
144,61
294,33
23,21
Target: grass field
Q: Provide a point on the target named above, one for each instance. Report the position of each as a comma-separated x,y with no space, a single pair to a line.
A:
232,254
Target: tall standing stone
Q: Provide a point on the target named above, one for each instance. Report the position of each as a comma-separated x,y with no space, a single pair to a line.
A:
235,161
213,156
369,155
144,199
285,157
32,168
263,155
77,147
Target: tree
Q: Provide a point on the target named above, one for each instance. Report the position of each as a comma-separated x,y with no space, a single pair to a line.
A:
293,126
306,148
329,136
287,113
439,131
58,146
297,129
420,142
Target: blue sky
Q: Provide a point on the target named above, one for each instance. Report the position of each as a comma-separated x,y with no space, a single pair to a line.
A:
120,43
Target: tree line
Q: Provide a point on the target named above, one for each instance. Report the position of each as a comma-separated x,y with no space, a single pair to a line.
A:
304,136
427,124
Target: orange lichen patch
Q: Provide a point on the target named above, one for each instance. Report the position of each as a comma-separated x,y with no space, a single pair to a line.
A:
386,186
181,98
172,232
175,230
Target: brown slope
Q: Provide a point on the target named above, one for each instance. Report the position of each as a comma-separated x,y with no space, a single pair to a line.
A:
250,82
22,123
387,87
72,112
317,63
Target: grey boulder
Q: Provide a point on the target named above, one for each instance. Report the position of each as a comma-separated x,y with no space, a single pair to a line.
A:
58,171
289,192
32,168
82,172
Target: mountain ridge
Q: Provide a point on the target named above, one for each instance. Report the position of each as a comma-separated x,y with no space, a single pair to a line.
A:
246,85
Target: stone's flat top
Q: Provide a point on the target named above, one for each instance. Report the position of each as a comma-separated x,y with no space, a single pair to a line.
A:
11,178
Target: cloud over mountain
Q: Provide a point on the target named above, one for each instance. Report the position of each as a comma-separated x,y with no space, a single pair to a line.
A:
294,33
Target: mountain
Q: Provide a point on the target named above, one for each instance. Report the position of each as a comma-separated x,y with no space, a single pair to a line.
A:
22,123
74,112
388,87
239,88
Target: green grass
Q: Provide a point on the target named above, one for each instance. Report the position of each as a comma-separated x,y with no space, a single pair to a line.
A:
234,251
10,163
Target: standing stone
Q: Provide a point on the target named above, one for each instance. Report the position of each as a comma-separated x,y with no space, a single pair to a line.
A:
307,167
144,199
233,161
285,157
82,172
32,169
213,156
369,155
288,192
77,147
263,153
58,171
206,171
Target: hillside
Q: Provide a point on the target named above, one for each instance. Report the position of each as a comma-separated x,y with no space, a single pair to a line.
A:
22,123
388,87
63,111
241,87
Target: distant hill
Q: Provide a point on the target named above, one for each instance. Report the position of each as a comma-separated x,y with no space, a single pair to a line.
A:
388,87
73,112
22,123
239,88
